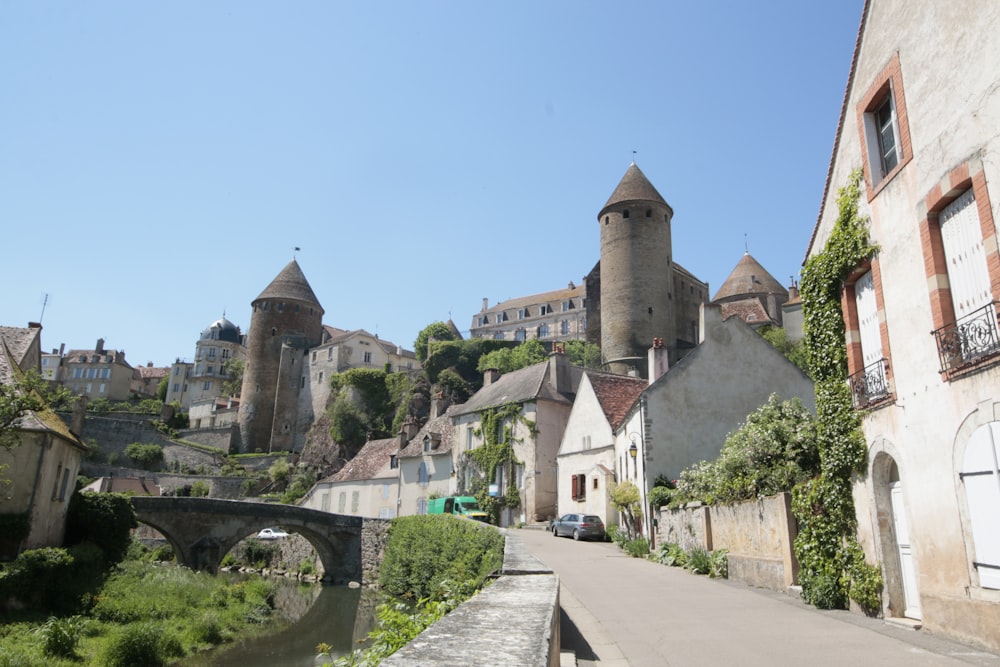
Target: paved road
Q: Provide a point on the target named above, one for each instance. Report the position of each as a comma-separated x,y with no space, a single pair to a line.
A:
620,611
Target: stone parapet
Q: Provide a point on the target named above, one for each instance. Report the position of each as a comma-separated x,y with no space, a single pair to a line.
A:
514,621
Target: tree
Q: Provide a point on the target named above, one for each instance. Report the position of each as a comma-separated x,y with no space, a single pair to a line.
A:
505,360
583,354
233,370
438,331
145,455
15,403
161,389
625,498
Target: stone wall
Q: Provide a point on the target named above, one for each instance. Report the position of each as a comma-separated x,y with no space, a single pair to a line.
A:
213,437
374,537
758,534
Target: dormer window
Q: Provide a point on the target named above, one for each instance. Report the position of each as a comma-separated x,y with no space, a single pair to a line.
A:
427,443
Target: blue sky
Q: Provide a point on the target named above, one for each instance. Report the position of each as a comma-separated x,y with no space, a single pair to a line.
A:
159,162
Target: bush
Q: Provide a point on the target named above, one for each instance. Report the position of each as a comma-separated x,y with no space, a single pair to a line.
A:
139,644
144,455
699,561
671,554
105,519
257,553
426,551
637,548
199,489
60,636
720,564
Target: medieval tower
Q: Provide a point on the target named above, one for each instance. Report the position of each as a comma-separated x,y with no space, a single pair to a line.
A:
286,321
636,274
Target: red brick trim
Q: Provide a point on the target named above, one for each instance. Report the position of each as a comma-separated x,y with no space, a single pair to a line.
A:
890,78
852,326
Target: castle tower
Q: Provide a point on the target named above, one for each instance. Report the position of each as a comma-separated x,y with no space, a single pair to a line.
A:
635,273
751,293
287,320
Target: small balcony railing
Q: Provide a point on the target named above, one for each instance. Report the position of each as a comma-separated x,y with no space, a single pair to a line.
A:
970,340
869,386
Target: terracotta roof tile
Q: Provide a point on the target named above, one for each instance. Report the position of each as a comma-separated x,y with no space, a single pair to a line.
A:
616,394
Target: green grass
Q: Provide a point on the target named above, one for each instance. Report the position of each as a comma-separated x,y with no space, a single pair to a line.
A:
145,614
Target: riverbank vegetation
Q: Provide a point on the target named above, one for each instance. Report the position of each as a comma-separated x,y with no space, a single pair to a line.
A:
432,563
104,600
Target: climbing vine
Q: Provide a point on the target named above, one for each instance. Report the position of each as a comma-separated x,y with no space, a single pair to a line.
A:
832,563
497,428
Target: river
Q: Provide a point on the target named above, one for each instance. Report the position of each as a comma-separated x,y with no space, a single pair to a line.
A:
308,615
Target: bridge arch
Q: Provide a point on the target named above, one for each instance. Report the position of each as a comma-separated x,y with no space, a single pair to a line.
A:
203,530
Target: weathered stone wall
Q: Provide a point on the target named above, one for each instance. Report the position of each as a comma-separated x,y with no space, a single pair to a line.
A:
758,534
374,537
212,437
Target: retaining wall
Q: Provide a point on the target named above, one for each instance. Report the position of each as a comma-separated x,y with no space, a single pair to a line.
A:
758,534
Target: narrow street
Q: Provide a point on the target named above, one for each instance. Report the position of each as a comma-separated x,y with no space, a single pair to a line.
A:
620,611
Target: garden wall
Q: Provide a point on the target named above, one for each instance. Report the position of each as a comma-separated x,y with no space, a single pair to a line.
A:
758,534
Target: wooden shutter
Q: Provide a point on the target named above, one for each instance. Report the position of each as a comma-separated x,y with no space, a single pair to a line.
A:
871,336
981,478
962,238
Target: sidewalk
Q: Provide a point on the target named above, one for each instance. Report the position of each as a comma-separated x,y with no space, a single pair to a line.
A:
621,611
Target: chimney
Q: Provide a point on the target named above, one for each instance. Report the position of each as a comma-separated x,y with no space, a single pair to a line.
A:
149,364
79,415
62,348
410,429
438,405
34,325
490,375
658,360
100,346
559,376
486,305
793,291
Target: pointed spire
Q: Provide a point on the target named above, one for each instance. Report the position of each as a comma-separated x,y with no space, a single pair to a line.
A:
634,186
291,283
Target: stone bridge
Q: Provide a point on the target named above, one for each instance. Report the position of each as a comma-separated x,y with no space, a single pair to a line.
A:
203,530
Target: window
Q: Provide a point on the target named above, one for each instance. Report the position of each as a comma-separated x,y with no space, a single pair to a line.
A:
595,483
342,502
281,307
866,360
522,313
210,353
469,437
962,263
89,388
543,331
586,442
385,491
367,357
423,477
320,377
393,462
498,335
177,387
355,495
314,357
981,478
564,327
579,487
325,502
225,353
100,388
207,385
882,123
520,335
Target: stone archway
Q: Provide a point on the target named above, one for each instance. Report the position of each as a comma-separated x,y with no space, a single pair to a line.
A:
902,595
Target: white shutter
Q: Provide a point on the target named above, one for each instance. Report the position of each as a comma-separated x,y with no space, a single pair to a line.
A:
982,493
962,238
871,337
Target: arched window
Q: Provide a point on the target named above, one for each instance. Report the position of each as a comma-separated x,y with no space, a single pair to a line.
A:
981,478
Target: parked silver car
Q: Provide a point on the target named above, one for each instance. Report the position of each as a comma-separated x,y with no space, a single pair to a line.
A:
579,526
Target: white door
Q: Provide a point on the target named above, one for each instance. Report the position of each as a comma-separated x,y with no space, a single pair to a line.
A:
908,570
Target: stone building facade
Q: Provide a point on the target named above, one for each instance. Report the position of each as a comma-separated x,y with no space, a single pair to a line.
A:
920,118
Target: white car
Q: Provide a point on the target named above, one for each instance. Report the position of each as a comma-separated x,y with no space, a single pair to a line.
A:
271,534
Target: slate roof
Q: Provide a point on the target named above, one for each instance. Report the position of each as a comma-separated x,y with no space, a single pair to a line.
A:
226,331
554,295
371,462
634,186
616,394
290,284
440,428
520,386
18,341
749,278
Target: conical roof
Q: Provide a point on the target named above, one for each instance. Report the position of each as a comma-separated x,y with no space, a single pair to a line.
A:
747,279
634,186
290,284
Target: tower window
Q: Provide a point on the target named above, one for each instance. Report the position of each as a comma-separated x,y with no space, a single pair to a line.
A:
281,307
607,219
649,213
625,213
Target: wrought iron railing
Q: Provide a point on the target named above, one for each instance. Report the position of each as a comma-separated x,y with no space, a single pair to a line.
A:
970,340
869,385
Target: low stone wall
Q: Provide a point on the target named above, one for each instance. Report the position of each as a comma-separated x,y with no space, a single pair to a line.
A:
374,537
758,534
514,621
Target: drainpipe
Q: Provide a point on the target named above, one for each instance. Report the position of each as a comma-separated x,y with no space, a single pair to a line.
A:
645,474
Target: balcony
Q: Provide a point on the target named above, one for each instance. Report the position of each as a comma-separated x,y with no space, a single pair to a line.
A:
869,386
969,341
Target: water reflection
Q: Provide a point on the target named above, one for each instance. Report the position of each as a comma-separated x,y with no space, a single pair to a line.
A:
335,615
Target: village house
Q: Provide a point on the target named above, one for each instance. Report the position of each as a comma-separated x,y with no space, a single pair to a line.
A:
42,466
365,486
919,119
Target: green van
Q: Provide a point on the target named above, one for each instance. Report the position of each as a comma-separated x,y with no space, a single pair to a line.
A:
459,505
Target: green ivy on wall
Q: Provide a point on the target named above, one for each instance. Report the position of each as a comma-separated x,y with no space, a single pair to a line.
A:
832,564
496,428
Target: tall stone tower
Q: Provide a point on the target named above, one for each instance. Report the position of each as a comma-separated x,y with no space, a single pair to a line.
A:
286,321
636,273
